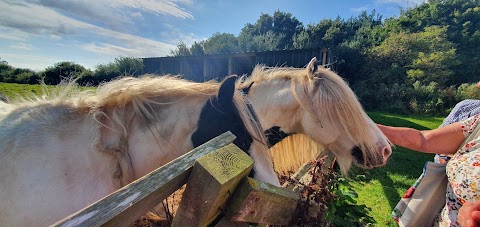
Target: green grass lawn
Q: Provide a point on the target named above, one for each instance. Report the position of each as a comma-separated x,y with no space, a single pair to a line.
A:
18,91
14,91
381,188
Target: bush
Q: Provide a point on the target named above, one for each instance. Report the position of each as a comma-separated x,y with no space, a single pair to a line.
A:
467,91
328,200
416,98
55,74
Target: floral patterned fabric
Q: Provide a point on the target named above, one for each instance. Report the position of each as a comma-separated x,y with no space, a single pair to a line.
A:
462,111
463,171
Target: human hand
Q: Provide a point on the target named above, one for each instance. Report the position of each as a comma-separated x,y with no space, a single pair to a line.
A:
469,214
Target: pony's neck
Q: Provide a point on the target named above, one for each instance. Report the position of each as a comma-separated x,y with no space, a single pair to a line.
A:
277,109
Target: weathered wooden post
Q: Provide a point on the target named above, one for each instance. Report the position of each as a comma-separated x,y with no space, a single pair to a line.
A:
212,182
259,202
129,203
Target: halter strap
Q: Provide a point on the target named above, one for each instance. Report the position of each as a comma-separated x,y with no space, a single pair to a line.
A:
273,134
247,89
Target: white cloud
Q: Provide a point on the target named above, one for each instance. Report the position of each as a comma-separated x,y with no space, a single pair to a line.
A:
34,62
154,6
12,34
144,47
137,15
402,2
186,2
44,21
88,31
55,37
189,39
50,23
175,36
359,9
21,46
140,50
119,15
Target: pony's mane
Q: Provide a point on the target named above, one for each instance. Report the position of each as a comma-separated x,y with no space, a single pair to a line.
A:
326,91
144,92
115,103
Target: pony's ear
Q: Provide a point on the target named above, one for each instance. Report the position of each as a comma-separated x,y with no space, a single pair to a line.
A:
312,67
227,90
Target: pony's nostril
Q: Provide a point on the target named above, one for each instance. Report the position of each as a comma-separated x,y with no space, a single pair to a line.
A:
387,151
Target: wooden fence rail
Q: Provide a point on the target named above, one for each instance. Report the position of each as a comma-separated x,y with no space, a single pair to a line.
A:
217,192
135,199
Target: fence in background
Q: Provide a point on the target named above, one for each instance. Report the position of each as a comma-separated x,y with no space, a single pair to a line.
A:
216,66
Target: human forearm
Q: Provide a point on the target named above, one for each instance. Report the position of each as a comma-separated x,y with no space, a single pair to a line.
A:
405,137
444,140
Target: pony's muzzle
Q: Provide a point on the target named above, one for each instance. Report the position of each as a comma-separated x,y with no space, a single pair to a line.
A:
387,151
370,162
357,153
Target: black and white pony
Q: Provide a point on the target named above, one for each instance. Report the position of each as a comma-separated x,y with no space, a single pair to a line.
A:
60,154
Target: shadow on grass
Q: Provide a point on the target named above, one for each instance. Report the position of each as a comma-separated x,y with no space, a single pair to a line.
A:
397,121
403,162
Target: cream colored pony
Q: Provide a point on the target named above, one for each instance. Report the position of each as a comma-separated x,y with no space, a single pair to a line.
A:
318,103
61,154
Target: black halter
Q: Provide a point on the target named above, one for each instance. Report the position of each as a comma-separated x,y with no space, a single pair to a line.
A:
273,134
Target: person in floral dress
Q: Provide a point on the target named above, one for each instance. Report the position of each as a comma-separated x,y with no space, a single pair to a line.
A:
463,170
463,110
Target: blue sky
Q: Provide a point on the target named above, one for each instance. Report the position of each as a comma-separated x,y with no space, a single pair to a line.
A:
36,34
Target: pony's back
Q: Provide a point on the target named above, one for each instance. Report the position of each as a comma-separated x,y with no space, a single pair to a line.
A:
5,108
61,153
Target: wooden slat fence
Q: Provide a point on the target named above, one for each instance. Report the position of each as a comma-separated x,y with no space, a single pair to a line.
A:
217,193
217,66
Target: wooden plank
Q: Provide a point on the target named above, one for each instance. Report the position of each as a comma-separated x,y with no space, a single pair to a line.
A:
214,178
259,202
129,203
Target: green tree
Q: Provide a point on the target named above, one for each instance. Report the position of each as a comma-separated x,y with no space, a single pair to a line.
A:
121,66
25,76
129,66
106,72
55,74
246,36
5,69
269,41
365,30
87,78
197,48
275,32
461,18
426,56
221,43
285,26
181,50
312,36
